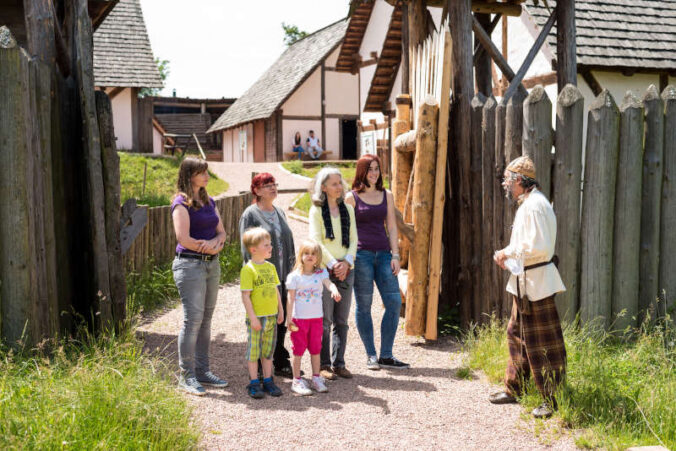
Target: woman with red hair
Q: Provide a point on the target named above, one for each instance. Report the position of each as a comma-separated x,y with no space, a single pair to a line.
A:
377,261
263,213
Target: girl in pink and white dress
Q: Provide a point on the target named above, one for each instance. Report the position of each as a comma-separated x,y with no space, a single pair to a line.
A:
305,286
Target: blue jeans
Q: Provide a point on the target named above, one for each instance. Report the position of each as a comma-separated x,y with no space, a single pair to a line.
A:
375,267
197,284
299,150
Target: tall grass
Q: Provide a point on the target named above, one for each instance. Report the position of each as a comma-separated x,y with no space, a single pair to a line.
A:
161,176
621,390
91,393
154,286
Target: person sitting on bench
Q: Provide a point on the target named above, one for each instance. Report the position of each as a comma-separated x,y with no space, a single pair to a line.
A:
314,149
296,145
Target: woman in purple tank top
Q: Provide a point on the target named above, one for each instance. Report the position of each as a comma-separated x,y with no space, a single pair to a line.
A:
197,270
377,261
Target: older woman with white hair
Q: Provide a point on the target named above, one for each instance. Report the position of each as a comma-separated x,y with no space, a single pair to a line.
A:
333,226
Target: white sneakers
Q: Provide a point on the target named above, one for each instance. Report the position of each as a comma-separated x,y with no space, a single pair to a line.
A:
318,384
372,363
300,386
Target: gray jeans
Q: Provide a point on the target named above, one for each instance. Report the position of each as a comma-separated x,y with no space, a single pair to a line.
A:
336,314
197,284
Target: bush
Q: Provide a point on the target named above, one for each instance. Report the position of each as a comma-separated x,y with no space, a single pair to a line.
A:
91,393
621,389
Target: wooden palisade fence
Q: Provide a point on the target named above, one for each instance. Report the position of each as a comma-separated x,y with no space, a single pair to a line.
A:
156,243
615,225
59,259
615,203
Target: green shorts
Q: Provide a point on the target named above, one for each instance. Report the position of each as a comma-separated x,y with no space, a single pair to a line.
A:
261,343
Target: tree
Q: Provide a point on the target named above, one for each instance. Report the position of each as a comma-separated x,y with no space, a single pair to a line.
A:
163,67
292,33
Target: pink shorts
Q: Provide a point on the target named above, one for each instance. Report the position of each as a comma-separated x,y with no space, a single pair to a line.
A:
308,336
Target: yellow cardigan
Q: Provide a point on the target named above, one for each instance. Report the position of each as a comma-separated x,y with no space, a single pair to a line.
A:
333,250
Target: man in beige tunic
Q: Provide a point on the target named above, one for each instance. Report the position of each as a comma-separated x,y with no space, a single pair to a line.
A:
534,336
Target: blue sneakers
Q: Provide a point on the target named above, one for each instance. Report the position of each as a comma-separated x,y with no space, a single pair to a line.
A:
270,388
255,390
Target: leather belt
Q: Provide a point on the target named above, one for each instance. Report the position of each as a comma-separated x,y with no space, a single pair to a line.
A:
523,302
202,257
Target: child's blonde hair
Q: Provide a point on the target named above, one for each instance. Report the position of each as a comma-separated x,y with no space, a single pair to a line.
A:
308,246
254,236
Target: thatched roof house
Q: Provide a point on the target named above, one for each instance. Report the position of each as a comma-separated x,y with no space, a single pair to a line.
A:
301,91
123,64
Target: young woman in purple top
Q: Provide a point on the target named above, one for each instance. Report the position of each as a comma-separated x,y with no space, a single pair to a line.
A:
200,236
377,261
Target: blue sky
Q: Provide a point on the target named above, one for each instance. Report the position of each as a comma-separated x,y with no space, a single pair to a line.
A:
218,48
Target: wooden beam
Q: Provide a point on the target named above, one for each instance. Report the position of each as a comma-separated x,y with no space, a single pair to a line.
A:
301,118
488,7
515,83
482,63
405,69
493,51
544,80
478,48
323,103
593,83
115,91
566,50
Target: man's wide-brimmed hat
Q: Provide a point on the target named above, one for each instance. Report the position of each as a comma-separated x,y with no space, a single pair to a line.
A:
522,165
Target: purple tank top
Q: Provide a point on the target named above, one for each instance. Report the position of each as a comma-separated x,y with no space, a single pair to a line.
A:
203,222
371,231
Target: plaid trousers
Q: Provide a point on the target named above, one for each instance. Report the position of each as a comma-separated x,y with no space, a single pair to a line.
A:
261,343
536,348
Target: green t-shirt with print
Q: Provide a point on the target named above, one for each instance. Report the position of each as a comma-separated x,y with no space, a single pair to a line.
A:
262,281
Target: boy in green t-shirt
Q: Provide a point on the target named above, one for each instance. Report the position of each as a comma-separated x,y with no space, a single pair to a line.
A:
263,303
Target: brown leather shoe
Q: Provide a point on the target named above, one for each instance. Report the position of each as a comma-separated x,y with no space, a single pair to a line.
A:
327,373
502,397
342,372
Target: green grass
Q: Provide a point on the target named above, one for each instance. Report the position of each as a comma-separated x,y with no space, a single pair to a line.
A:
303,202
620,391
161,179
91,393
154,286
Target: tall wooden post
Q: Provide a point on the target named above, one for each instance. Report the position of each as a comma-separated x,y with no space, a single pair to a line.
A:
405,64
566,48
668,217
488,268
651,198
475,208
501,304
402,164
460,21
513,149
566,188
423,195
18,261
627,234
482,66
538,136
598,208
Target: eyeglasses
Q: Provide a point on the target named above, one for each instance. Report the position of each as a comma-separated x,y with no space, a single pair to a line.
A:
270,186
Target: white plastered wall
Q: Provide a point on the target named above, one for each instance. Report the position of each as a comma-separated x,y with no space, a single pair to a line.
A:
333,136
121,105
341,90
306,99
232,151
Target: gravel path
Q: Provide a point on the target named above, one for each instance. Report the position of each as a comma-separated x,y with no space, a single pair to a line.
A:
425,407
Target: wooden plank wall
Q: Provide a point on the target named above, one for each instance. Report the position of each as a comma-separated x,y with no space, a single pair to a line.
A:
600,245
156,244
